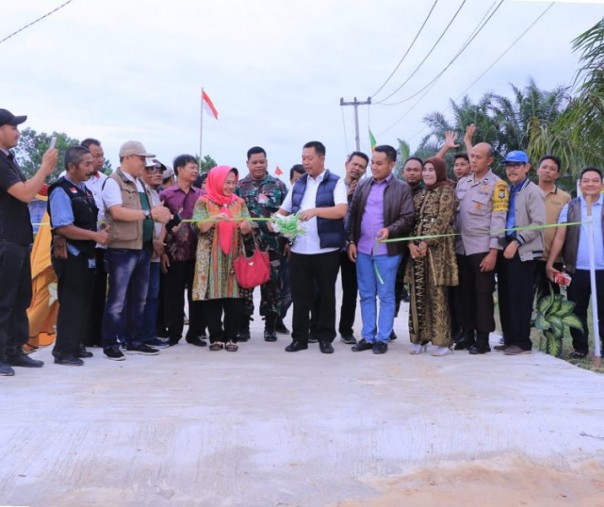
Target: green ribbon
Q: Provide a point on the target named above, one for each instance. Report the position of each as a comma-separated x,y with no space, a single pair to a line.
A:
481,232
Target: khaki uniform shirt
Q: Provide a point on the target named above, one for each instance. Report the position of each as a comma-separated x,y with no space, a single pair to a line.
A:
554,202
481,216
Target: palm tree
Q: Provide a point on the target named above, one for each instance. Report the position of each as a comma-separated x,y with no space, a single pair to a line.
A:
507,123
577,136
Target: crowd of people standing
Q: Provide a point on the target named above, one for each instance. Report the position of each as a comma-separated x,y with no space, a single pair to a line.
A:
126,249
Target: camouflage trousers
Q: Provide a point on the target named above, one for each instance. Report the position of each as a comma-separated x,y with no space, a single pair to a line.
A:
270,292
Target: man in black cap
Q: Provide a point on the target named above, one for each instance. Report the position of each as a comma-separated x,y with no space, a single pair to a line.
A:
15,237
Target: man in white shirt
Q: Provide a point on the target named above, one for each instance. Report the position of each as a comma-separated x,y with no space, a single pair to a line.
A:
95,183
320,199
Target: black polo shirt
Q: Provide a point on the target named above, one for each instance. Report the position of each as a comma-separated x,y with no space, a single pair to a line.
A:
15,224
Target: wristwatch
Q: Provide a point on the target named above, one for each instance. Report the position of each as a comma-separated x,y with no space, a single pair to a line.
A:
147,214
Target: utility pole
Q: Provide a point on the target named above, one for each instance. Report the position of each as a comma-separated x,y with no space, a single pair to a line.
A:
356,105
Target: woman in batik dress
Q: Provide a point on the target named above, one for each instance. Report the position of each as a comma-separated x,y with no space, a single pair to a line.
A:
219,244
432,267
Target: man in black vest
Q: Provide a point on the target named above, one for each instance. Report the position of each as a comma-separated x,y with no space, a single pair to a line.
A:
73,217
320,199
15,237
573,242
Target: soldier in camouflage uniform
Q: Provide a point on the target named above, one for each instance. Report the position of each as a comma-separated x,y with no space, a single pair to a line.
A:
263,195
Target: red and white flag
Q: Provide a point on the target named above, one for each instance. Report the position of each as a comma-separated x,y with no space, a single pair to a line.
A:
208,106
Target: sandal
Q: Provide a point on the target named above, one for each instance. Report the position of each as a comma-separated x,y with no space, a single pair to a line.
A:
232,347
216,346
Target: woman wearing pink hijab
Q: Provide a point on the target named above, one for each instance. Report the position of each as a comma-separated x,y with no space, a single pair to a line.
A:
219,245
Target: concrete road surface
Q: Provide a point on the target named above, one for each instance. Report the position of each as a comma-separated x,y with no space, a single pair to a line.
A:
262,427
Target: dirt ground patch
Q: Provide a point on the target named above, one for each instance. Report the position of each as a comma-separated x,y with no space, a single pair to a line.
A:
503,482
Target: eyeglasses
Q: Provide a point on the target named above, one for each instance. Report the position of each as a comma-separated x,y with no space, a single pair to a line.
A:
514,165
154,169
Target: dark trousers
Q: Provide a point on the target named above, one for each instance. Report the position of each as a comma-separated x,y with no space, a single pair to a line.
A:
162,331
476,293
516,284
75,290
286,286
400,290
93,336
149,323
348,275
542,283
233,309
15,298
179,279
318,271
579,291
455,309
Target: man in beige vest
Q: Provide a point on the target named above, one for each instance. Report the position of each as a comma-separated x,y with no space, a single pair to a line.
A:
130,216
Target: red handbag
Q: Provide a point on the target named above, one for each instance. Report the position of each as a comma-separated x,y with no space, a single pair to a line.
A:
252,271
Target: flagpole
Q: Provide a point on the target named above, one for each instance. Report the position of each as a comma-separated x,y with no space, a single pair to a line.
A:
201,128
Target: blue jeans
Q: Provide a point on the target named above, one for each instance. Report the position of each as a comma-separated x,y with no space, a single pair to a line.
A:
377,328
149,325
128,277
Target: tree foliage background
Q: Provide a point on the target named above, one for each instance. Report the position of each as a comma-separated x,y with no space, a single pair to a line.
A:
565,121
32,146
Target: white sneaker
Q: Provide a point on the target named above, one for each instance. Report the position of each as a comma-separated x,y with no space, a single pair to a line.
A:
442,351
418,348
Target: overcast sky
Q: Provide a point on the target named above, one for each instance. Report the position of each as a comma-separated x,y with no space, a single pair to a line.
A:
275,69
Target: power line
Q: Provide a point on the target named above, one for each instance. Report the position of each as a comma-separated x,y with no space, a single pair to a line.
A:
491,65
408,49
429,53
476,31
36,21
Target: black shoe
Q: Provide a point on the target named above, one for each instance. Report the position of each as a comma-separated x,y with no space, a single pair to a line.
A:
361,346
478,349
348,339
244,330
466,341
280,327
575,354
270,336
380,347
114,353
6,370
197,341
141,349
83,353
24,361
501,348
393,336
295,346
326,347
69,361
243,336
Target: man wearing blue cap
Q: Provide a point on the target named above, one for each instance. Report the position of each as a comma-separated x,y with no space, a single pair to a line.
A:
15,238
518,261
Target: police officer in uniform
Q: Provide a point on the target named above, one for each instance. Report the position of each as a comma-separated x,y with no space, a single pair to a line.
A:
481,219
